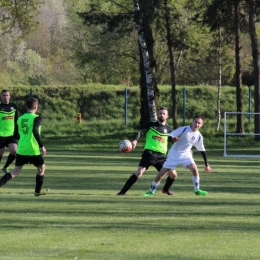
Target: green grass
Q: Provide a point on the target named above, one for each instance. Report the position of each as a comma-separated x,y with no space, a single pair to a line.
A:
82,216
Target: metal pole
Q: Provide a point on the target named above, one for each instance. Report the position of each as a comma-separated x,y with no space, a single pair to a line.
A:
126,93
184,105
249,103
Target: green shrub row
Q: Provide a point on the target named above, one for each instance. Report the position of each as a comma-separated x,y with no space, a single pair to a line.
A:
103,107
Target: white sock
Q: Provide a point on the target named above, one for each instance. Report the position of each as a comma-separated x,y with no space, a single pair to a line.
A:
196,182
154,186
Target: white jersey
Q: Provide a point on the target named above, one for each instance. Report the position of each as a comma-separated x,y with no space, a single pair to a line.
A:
182,148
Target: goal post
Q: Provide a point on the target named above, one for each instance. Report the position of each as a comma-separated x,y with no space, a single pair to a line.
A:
229,131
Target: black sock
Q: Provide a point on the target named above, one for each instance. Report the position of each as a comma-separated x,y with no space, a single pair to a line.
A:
129,183
7,177
39,183
9,160
168,183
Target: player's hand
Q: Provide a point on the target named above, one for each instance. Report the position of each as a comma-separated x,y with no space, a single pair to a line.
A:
208,169
175,138
134,143
43,151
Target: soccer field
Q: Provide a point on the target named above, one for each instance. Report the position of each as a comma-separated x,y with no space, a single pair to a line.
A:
82,218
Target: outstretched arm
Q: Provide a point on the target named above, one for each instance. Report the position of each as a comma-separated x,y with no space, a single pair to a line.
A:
141,131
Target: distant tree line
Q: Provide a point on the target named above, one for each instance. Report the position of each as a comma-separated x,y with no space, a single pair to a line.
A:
212,42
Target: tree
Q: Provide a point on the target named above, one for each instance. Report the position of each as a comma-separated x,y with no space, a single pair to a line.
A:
19,15
171,62
256,63
227,15
220,79
104,49
240,125
119,21
149,89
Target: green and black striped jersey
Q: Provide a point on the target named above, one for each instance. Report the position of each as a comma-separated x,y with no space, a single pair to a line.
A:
157,136
8,119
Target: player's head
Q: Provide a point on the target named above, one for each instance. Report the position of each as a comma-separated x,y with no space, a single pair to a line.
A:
162,114
5,96
197,122
32,104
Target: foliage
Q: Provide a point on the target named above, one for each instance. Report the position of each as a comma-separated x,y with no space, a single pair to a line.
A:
106,50
106,105
75,53
18,15
28,68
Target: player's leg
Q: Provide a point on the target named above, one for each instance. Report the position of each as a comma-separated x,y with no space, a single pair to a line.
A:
172,175
143,165
20,161
11,156
196,179
10,175
38,162
2,150
2,147
132,179
157,181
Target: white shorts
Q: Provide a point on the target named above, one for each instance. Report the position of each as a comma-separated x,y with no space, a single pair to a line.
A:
172,164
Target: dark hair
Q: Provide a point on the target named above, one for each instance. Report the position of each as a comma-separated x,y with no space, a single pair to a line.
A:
31,102
4,90
163,108
200,117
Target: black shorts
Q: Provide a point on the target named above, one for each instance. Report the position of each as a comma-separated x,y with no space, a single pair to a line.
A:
36,160
152,158
5,140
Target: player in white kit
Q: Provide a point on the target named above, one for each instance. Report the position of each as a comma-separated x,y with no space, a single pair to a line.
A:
180,154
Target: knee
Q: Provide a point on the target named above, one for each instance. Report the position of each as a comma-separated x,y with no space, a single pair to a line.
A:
139,172
159,177
13,153
194,169
138,175
172,174
195,172
41,170
15,172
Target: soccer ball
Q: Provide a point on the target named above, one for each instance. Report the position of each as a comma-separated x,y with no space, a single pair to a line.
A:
125,146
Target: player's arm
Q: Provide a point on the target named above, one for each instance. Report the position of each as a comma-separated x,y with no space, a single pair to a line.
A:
140,132
176,134
172,140
16,135
36,125
204,156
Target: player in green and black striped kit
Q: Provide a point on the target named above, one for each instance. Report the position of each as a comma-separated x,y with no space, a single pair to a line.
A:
30,146
8,119
157,135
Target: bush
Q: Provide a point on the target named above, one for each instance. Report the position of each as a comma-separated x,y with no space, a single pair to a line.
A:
102,107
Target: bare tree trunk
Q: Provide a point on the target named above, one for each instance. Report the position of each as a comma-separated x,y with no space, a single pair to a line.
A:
219,81
240,127
256,60
172,69
148,99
